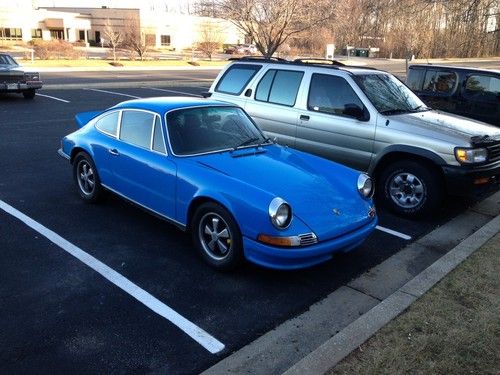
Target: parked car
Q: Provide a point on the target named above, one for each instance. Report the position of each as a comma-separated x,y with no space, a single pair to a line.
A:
14,79
241,49
369,120
206,167
468,92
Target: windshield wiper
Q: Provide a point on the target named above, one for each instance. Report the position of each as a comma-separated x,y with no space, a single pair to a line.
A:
245,143
395,111
420,108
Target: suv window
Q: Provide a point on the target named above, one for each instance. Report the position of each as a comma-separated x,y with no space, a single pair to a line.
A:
415,78
279,87
136,128
331,94
440,82
482,86
236,78
108,123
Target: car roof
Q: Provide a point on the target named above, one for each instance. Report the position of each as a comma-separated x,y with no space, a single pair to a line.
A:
450,67
165,104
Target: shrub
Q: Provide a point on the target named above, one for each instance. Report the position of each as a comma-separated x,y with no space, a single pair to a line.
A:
55,49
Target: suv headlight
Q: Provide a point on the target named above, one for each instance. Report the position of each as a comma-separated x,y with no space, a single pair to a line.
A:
365,186
280,213
471,155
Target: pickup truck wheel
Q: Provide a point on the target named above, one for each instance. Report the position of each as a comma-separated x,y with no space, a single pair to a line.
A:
29,94
217,236
410,189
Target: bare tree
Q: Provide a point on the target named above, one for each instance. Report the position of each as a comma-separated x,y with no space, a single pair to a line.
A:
211,38
270,23
113,36
136,39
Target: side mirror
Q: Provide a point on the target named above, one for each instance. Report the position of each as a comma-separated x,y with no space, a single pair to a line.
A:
354,110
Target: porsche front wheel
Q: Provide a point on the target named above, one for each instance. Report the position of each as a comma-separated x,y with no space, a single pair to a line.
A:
217,236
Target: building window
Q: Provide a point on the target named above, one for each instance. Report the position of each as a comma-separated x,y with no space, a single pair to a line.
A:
165,40
36,33
81,34
11,33
57,34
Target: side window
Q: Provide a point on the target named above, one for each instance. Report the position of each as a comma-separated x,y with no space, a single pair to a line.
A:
108,124
415,78
158,140
440,82
279,87
236,78
331,94
482,86
136,128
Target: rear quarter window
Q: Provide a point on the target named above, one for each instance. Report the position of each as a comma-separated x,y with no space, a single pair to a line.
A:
482,87
108,123
440,82
236,78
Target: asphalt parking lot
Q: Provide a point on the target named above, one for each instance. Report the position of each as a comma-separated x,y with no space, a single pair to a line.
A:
59,313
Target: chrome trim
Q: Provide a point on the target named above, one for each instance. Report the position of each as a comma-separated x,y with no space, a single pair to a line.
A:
273,211
307,239
63,154
173,221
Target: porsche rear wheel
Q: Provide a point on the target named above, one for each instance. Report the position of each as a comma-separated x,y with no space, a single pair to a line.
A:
86,178
217,236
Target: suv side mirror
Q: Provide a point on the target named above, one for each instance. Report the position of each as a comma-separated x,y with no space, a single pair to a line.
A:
354,110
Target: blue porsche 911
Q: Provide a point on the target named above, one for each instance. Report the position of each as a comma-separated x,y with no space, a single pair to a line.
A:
204,166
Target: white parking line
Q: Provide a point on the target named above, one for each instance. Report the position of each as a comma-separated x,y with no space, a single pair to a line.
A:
196,333
394,233
53,97
115,93
173,91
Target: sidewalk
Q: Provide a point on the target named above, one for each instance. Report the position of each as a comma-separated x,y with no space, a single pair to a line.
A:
314,342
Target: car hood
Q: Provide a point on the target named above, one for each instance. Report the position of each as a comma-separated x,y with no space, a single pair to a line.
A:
444,126
322,194
11,69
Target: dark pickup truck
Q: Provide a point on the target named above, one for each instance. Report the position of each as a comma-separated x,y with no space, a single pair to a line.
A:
468,92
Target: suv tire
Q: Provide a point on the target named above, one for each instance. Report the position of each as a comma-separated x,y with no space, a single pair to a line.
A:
409,188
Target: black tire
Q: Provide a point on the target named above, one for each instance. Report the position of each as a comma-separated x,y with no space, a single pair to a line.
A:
86,178
217,237
29,94
409,188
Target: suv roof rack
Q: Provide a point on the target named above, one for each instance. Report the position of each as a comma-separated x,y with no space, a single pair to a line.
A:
314,61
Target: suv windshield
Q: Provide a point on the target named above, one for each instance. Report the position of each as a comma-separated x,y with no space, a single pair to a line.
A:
388,94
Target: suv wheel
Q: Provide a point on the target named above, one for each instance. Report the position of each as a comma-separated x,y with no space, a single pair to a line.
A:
409,188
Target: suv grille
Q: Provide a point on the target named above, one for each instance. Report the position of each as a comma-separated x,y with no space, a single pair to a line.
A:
308,239
494,152
11,79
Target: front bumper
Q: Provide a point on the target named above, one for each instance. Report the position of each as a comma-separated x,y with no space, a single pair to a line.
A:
471,181
20,86
301,257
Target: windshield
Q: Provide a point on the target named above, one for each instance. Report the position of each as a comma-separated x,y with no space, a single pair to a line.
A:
209,129
388,94
7,60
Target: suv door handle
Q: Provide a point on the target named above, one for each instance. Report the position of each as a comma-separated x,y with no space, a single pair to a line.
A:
304,117
113,151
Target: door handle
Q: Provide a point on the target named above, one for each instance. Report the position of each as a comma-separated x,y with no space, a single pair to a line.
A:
304,117
113,151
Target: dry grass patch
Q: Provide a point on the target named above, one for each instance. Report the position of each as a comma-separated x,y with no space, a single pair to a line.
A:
453,329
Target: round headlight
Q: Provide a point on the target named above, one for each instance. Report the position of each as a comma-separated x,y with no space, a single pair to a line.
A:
280,213
365,186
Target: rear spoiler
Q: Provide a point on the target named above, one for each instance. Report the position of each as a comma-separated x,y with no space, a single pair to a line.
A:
84,117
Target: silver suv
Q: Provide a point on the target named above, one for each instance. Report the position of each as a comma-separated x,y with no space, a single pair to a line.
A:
368,120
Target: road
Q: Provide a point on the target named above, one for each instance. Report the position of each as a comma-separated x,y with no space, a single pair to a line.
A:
58,314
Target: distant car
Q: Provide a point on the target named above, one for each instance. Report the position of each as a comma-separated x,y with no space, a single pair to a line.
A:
207,168
241,49
14,79
465,91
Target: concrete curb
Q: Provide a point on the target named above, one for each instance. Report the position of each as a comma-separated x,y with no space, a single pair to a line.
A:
338,347
316,340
